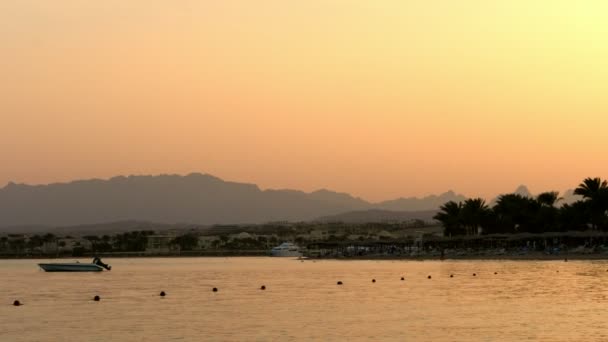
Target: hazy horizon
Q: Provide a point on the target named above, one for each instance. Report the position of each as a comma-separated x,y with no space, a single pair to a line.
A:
377,99
405,196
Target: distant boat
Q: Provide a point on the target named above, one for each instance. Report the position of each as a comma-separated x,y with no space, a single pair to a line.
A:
286,249
96,266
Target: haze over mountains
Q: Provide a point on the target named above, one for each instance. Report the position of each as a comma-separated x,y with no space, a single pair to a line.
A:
194,199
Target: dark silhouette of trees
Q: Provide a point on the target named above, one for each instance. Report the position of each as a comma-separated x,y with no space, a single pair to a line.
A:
515,213
34,241
474,214
548,199
17,244
135,241
466,218
49,237
548,213
186,242
595,193
98,245
574,216
450,218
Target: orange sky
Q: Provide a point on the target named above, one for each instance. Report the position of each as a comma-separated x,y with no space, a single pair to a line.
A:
379,98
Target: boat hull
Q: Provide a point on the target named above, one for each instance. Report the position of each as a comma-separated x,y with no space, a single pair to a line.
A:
286,249
285,253
75,267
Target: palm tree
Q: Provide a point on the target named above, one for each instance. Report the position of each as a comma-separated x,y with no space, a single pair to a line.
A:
595,192
549,198
547,214
574,216
473,213
449,216
591,187
515,213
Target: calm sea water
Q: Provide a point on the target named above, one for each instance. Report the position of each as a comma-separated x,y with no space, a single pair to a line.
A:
526,300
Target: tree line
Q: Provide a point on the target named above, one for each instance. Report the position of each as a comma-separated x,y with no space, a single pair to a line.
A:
515,213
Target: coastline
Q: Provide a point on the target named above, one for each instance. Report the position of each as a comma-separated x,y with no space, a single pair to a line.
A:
522,257
528,257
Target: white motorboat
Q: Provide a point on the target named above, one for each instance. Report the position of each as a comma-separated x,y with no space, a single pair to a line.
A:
286,249
96,266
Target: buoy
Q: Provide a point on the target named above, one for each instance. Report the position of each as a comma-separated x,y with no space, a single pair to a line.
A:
373,280
17,303
451,276
162,293
339,283
429,277
402,278
215,289
263,287
97,298
495,272
566,260
474,274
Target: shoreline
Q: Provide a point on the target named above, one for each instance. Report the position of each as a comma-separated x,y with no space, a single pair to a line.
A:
531,257
523,257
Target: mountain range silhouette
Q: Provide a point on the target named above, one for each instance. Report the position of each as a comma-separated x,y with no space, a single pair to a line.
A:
194,199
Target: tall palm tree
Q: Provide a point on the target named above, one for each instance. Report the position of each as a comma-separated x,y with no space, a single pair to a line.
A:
595,192
474,211
449,216
547,214
515,213
591,187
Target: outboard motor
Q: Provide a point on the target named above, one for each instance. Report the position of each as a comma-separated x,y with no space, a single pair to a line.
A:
98,262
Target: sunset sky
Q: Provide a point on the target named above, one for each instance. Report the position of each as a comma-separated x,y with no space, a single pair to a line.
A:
379,98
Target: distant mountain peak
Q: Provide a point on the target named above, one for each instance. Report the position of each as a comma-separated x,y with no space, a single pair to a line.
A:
569,197
430,202
523,191
11,184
